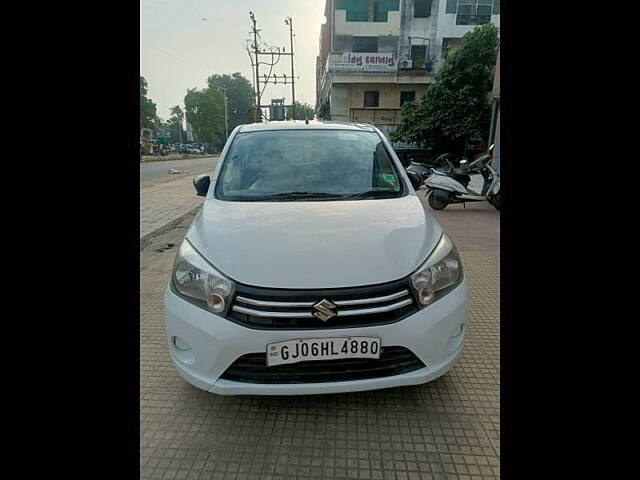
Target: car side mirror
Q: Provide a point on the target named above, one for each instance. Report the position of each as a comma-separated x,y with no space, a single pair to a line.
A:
201,182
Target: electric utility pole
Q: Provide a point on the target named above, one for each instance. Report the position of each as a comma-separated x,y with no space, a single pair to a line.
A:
256,52
275,53
289,21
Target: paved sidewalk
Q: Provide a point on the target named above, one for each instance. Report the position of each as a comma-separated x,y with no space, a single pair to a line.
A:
162,203
474,227
446,429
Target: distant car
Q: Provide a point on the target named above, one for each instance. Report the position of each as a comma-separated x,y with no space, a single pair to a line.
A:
187,148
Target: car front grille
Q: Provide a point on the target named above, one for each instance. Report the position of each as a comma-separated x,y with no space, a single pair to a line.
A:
264,308
252,368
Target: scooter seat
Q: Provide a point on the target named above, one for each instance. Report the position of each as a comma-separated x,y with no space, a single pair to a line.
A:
463,179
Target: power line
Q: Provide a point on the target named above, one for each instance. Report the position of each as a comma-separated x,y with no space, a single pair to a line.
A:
199,65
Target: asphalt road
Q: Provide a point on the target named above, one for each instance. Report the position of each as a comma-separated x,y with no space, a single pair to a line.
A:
152,172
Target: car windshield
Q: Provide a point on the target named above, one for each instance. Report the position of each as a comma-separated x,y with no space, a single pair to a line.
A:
287,165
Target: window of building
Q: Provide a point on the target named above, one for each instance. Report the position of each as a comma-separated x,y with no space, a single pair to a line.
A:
365,44
419,56
407,97
421,8
475,12
368,10
450,45
371,98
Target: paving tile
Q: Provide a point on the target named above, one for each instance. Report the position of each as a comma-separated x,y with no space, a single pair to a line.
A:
446,429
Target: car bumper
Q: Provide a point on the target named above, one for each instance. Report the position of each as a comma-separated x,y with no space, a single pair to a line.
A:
434,334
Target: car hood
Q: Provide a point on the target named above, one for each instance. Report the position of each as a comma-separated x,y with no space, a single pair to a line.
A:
315,244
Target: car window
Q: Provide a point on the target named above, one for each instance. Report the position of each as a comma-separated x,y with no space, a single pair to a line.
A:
309,164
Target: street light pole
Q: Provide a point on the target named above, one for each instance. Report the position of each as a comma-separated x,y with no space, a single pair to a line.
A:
226,117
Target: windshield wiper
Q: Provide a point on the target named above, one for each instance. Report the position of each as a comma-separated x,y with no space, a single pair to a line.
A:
288,195
374,194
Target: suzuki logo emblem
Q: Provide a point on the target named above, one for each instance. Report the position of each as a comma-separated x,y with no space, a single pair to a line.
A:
324,310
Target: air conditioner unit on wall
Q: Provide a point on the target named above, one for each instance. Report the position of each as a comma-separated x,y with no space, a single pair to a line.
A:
406,63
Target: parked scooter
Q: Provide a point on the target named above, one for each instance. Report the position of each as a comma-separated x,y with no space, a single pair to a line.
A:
419,172
452,186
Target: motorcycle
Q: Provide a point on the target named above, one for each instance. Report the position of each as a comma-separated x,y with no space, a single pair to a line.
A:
452,185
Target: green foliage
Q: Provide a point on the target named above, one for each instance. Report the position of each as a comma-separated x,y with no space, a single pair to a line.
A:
323,111
302,109
205,112
177,115
240,95
176,121
457,105
147,107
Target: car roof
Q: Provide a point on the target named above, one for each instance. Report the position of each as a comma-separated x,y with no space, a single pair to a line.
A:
302,125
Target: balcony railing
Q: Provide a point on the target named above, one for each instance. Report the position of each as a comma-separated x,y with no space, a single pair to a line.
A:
377,116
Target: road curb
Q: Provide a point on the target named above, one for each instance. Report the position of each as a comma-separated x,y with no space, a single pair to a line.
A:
194,157
146,239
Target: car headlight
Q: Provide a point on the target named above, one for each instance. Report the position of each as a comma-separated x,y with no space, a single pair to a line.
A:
198,282
439,274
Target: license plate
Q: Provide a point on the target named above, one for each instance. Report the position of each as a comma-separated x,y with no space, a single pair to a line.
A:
305,349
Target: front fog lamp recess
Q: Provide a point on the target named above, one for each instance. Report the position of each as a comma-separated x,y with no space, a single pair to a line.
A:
180,344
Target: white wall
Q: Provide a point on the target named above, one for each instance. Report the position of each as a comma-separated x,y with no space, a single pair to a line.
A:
338,99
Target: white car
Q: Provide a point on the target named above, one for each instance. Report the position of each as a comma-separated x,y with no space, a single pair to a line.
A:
312,267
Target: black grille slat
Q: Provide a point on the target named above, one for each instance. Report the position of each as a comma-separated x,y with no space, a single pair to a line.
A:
252,368
342,320
338,367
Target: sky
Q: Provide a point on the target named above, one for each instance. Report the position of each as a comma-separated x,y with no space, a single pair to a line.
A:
179,50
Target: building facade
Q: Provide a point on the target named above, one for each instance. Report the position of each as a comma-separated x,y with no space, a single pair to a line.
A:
375,55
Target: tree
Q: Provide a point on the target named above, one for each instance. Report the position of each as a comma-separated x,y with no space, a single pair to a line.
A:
302,109
204,110
176,120
457,105
324,111
147,107
177,113
240,96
